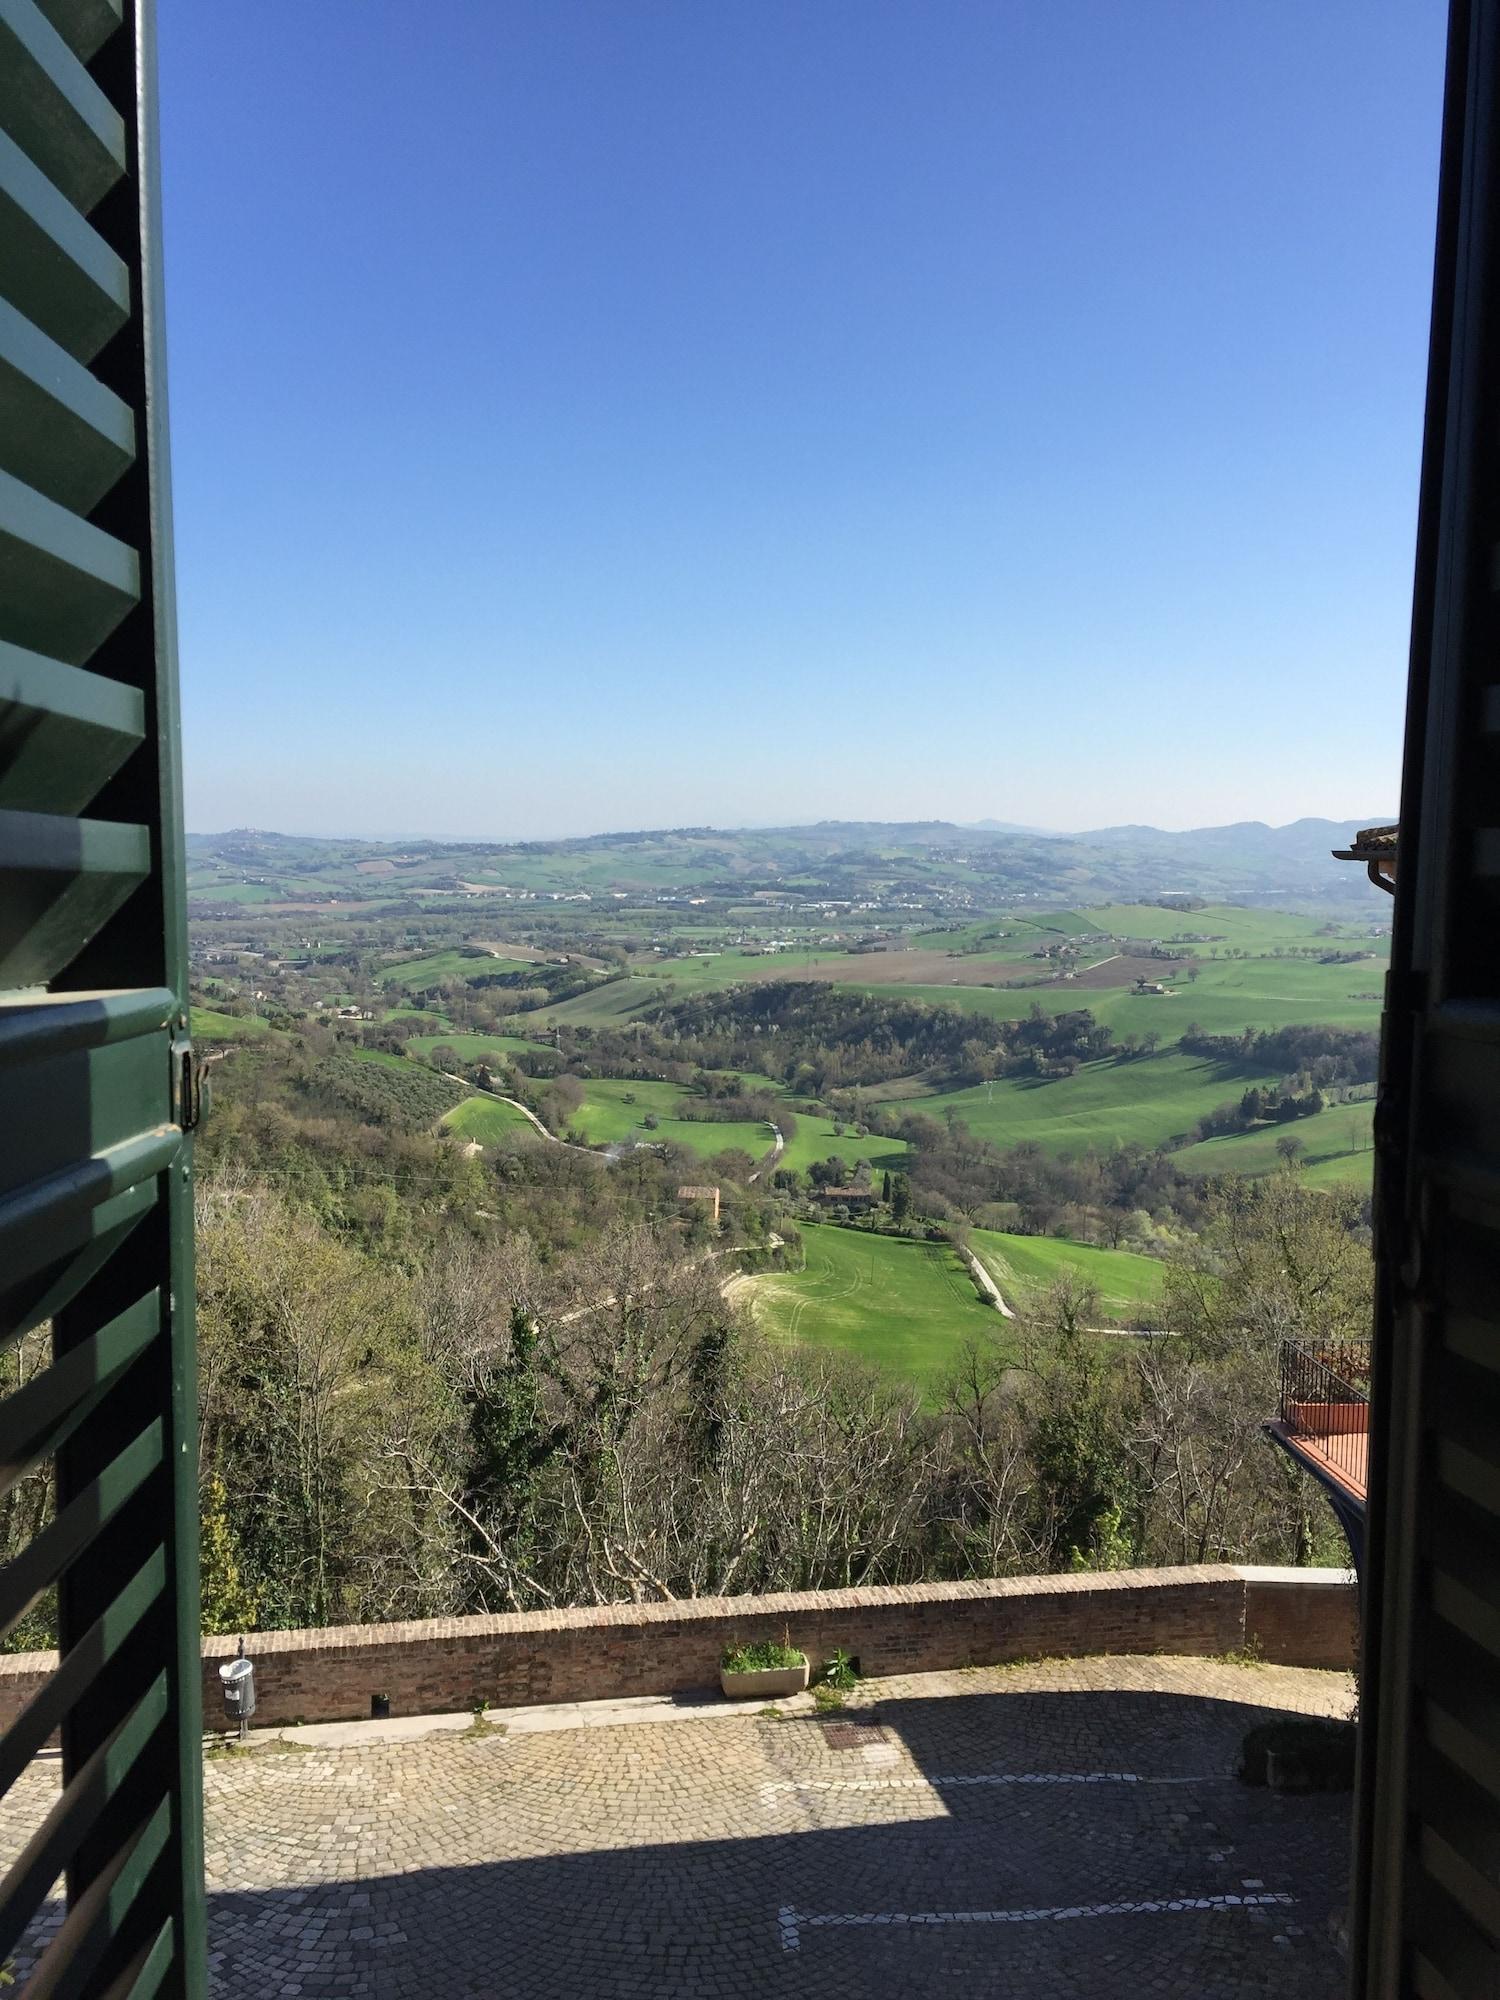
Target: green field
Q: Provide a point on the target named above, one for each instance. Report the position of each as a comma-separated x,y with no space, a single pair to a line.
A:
489,1121
907,1307
211,1026
1231,994
1145,1102
417,973
605,1119
210,891
383,1057
815,1139
1337,1148
603,1005
1023,1266
1228,996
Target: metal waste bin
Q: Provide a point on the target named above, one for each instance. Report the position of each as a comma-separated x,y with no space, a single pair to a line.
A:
237,1679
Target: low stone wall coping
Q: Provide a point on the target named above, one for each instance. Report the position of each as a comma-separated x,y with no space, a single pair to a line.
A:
712,1610
1292,1617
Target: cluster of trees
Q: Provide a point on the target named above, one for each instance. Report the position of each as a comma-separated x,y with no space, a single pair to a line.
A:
1327,1057
1130,1196
504,1424
1262,1104
819,1040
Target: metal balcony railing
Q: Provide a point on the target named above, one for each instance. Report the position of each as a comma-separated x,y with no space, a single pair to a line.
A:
1325,1403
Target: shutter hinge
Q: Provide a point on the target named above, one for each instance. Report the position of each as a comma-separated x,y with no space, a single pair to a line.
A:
187,1089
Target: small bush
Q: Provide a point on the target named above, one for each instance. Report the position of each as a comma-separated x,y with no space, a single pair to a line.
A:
1323,1751
758,1659
841,1672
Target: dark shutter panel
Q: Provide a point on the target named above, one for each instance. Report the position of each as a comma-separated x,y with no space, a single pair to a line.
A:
97,1094
1427,1913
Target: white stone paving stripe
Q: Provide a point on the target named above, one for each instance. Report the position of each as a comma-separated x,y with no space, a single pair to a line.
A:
771,1792
792,1922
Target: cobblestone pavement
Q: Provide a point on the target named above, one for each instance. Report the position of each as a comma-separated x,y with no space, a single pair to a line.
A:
1051,1832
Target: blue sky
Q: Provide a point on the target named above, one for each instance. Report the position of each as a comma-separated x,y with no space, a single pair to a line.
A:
619,413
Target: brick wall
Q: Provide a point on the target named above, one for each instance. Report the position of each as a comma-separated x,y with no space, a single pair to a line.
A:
1301,1617
1296,1617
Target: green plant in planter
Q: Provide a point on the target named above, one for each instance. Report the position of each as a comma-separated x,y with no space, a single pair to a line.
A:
765,1657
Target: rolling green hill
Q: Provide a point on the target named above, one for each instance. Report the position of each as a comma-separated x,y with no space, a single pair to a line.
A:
605,1119
209,1025
1145,1102
907,1307
1023,1266
489,1121
1337,1148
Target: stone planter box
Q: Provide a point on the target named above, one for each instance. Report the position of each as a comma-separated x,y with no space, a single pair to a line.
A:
764,1682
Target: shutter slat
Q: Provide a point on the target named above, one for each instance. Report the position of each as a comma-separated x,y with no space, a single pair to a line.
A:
61,431
67,876
64,584
49,1024
128,1080
42,1561
43,1220
45,1711
36,1419
54,110
85,25
77,1811
63,731
57,269
80,1237
99,1912
142,1978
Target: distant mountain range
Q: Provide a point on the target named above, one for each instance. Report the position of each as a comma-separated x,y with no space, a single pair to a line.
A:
874,863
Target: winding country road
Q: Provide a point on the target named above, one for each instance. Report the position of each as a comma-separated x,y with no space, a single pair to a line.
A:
777,1149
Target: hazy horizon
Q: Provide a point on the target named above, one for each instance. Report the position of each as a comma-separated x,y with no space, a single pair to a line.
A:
764,826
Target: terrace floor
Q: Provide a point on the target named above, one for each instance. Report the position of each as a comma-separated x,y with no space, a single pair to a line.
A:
1340,1458
1046,1832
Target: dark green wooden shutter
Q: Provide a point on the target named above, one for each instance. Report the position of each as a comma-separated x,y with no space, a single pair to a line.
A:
1426,1917
96,1081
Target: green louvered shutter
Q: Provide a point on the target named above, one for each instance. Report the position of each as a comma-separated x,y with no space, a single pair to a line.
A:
1426,1917
97,1093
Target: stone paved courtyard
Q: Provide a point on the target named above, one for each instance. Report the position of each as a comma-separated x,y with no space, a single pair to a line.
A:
1065,1829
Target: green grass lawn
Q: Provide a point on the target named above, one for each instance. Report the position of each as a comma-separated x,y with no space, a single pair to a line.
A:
605,1119
907,1307
488,1121
1023,1266
1337,1148
209,1025
1145,1102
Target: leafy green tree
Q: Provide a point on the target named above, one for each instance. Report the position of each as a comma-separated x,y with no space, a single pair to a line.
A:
228,1605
